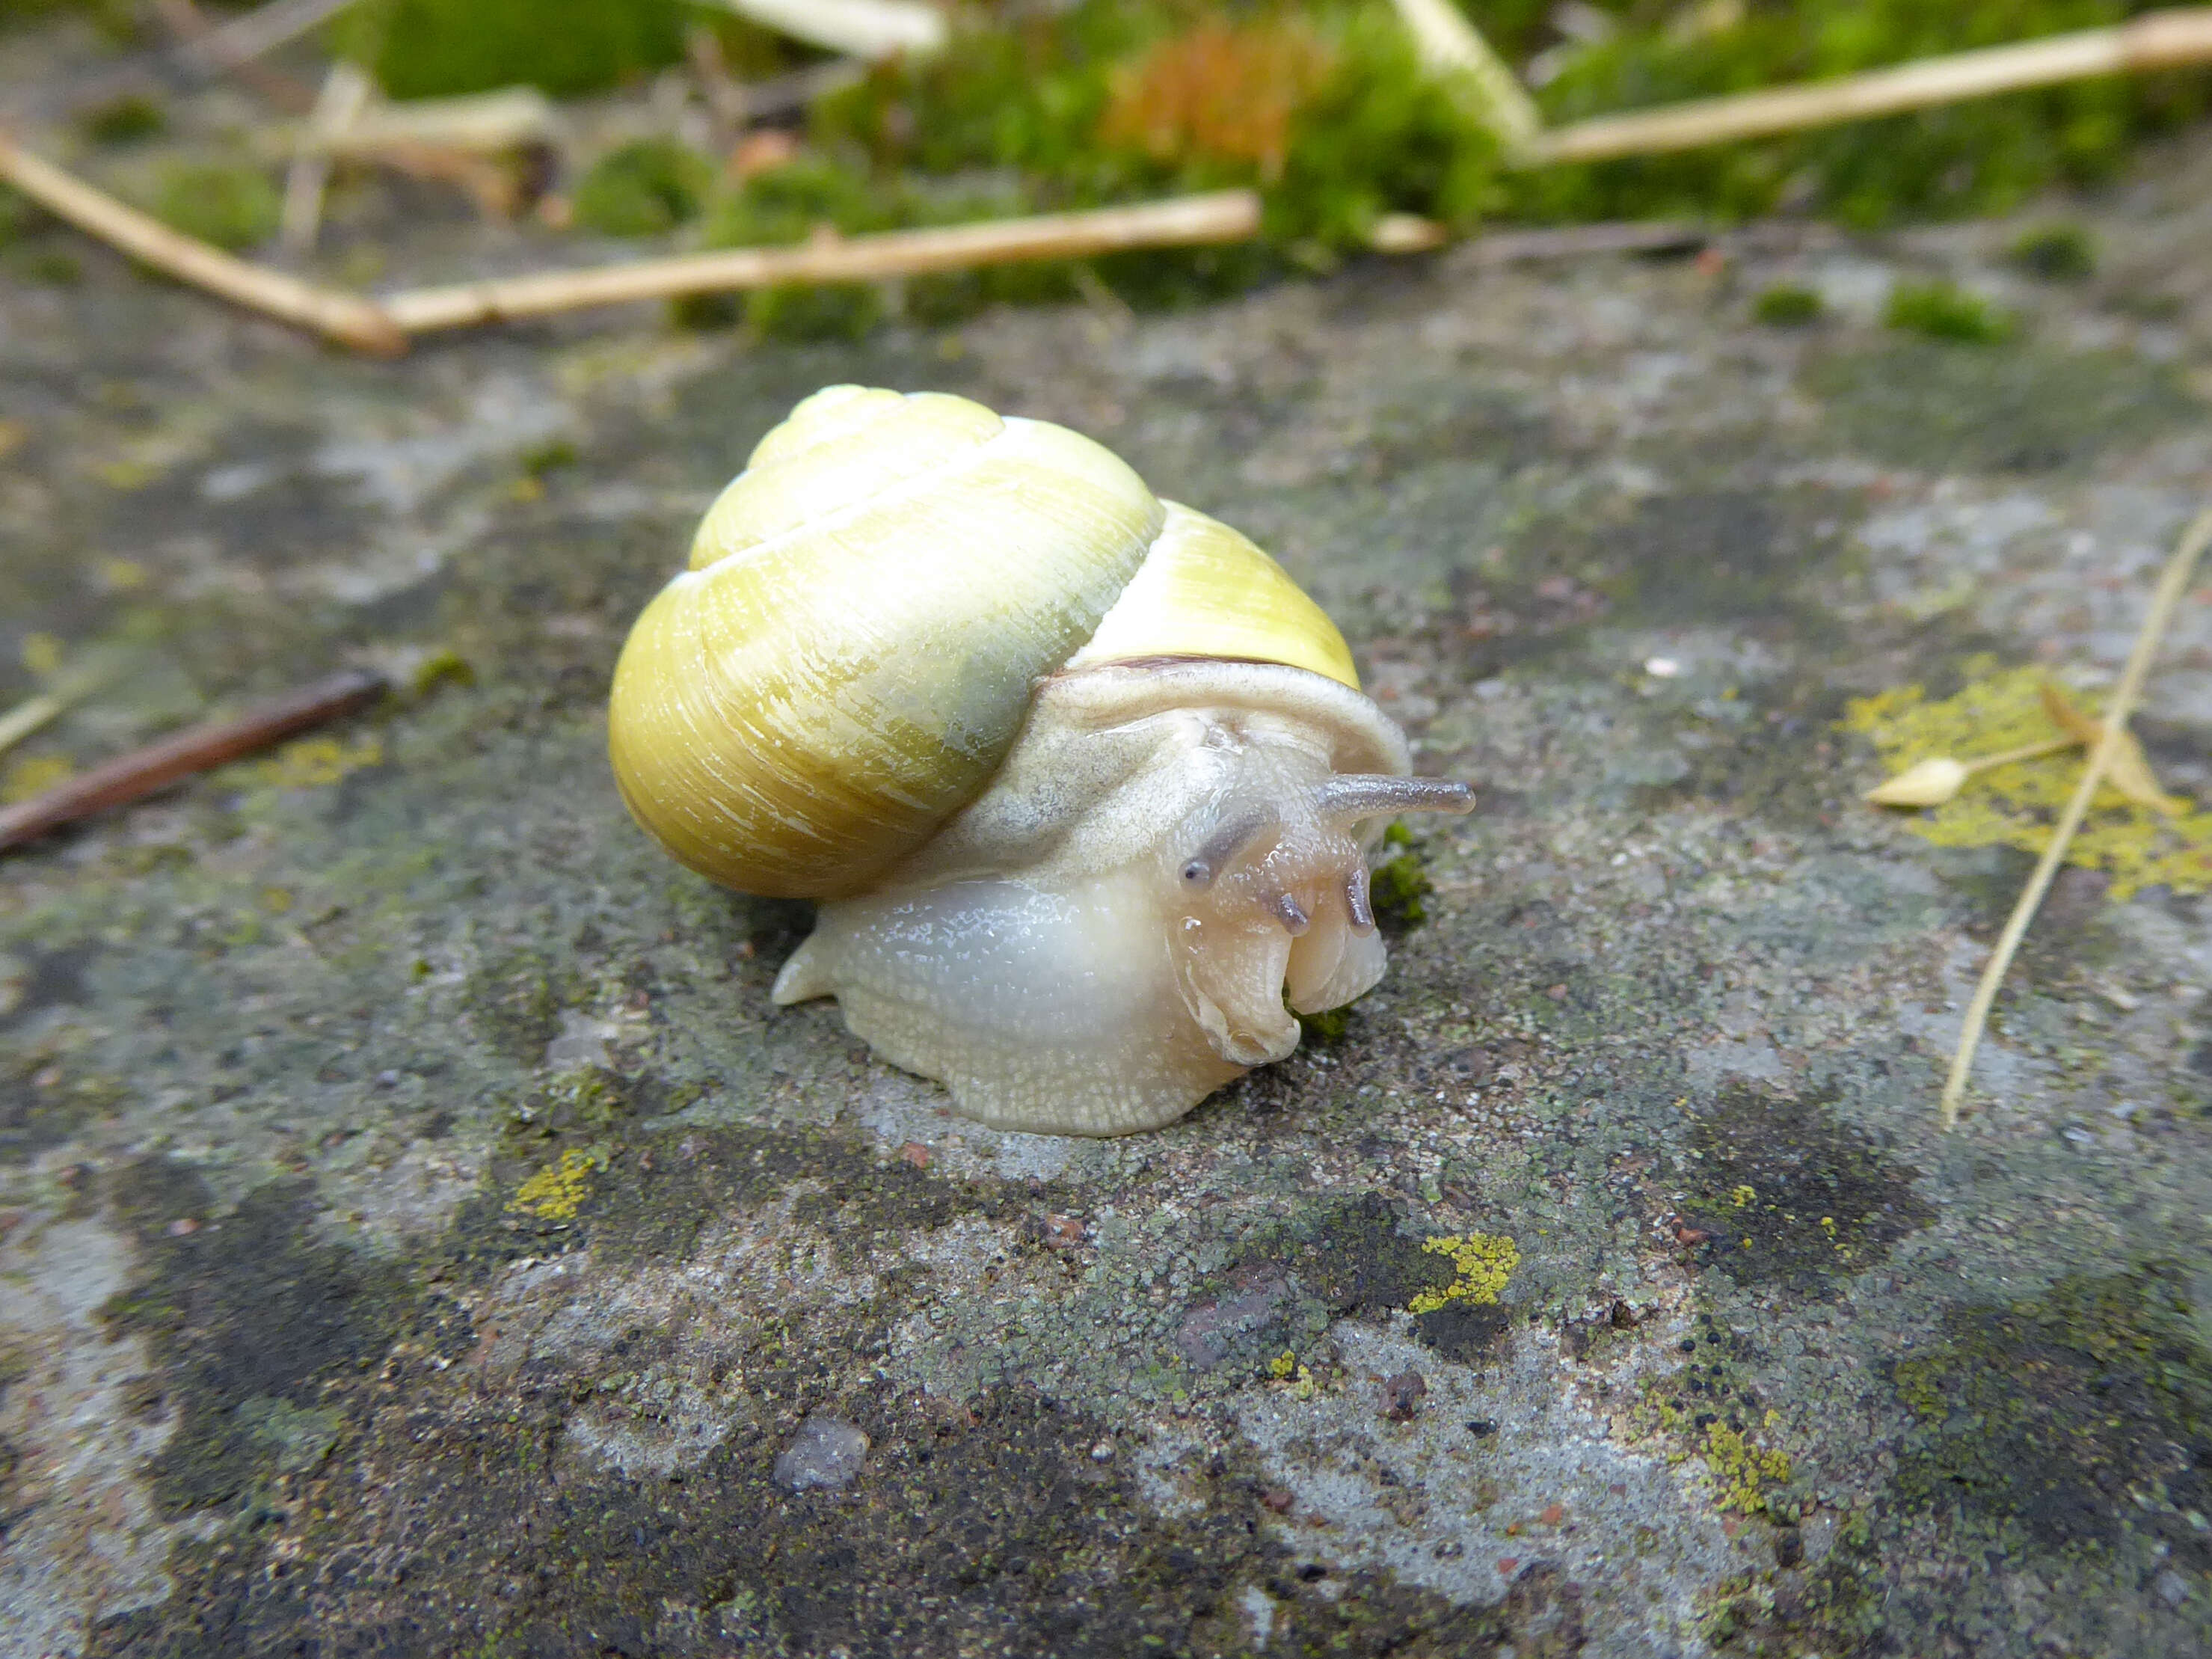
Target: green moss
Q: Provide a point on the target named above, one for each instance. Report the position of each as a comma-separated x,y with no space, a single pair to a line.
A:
124,120
1979,156
643,189
434,48
2056,253
1788,305
1943,312
1398,885
231,206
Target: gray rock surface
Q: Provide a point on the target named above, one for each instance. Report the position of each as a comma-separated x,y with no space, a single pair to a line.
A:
419,1234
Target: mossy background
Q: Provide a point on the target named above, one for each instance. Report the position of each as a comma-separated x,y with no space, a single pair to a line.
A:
1316,103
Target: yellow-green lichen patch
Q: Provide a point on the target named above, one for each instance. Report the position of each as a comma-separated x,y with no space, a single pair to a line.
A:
557,1192
1481,1263
2015,806
316,762
1742,1469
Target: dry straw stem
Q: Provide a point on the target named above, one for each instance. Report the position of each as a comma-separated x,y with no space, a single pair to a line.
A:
2172,583
870,29
145,771
344,317
235,43
1447,43
345,93
2155,40
1230,216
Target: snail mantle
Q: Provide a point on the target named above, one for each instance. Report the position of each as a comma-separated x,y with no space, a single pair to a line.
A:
1083,782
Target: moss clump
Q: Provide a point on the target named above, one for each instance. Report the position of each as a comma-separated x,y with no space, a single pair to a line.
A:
1980,156
1788,305
231,206
1323,109
1481,1264
1943,310
643,189
438,48
2056,253
2015,806
1398,885
124,120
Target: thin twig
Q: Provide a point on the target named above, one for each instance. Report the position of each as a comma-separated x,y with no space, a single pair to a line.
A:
345,91
1507,247
192,26
345,317
2156,40
239,43
1231,216
142,773
2172,583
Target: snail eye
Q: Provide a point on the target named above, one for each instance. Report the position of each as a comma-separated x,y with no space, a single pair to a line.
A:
1198,875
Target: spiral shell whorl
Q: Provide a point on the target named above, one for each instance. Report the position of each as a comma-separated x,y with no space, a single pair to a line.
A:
869,608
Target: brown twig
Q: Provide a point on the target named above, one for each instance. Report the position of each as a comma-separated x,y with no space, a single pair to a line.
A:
133,776
2155,40
2172,583
345,317
1231,216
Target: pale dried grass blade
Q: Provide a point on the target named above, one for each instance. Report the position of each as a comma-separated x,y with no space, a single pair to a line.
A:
2172,584
2129,772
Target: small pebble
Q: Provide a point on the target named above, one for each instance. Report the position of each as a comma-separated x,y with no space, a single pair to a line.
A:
1506,1564
915,1153
1553,1514
183,1227
1101,1451
826,1452
1063,1232
1662,668
1482,1428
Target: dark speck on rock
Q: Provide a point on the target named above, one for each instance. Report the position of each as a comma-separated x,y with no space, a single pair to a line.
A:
1481,1428
1401,1396
826,1452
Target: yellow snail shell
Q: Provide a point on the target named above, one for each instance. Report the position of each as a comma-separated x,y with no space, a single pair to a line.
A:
1083,781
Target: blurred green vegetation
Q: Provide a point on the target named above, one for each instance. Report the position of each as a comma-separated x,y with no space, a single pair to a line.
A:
643,189
1943,311
232,205
1788,305
1317,104
2056,253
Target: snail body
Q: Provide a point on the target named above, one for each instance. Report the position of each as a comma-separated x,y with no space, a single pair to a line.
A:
1082,782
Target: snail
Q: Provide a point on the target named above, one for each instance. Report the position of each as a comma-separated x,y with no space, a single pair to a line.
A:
1083,784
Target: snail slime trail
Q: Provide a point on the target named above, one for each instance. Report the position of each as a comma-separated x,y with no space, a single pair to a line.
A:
1083,783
